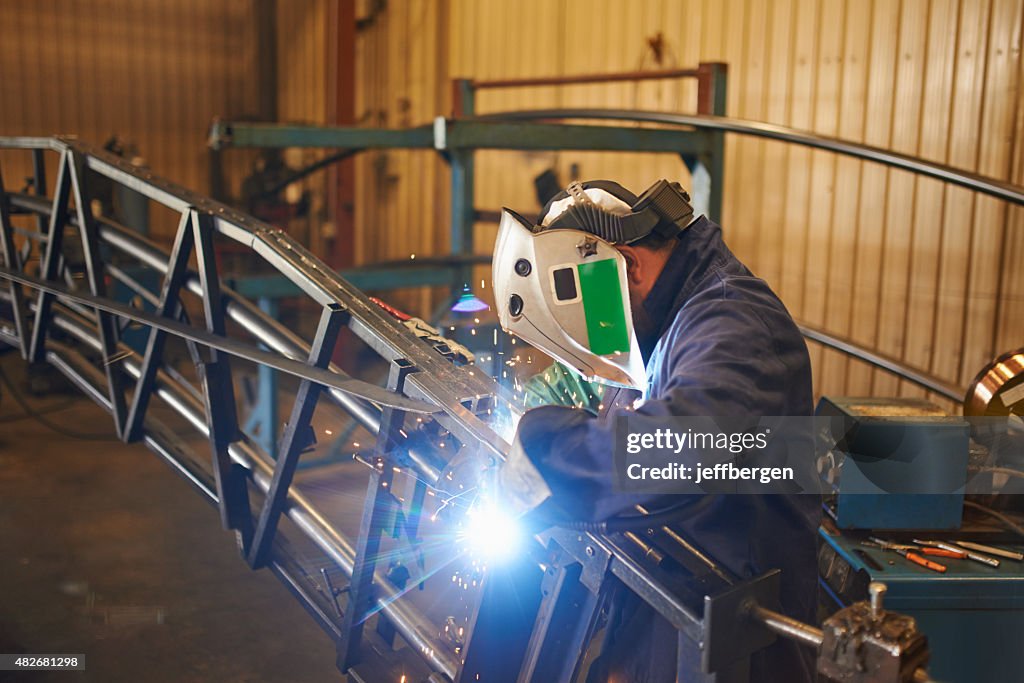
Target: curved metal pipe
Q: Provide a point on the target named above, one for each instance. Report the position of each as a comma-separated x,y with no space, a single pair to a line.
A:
891,365
771,131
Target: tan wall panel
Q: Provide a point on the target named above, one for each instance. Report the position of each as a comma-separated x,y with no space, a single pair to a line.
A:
302,72
154,72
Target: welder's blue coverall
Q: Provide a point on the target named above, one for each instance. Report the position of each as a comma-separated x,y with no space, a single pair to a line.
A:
727,347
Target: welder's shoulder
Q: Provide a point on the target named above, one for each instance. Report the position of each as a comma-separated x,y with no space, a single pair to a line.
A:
733,304
734,344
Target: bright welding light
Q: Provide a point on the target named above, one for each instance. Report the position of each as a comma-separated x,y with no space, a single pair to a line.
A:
490,533
504,420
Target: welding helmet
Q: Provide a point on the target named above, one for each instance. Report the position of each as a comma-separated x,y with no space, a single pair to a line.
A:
561,285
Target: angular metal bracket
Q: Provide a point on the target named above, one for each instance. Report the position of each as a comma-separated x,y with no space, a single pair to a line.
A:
168,305
12,260
378,508
219,392
51,259
293,441
105,321
730,635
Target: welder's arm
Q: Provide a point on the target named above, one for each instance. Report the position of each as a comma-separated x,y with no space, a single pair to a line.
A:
557,385
726,364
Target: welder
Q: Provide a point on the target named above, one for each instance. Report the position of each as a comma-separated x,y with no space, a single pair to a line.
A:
638,294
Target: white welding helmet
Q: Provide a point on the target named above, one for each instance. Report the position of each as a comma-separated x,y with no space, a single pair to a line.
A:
561,285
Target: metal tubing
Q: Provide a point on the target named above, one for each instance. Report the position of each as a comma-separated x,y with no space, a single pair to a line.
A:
972,181
893,366
787,627
587,78
409,622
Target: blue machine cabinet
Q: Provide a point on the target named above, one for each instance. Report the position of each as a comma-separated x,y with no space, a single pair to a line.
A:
973,614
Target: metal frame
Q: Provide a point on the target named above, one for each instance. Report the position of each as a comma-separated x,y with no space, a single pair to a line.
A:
76,332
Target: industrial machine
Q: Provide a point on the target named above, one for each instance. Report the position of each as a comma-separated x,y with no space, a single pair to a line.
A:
893,463
902,473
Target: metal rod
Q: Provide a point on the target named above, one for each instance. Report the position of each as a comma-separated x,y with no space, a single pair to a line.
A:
771,131
230,346
587,78
787,627
891,365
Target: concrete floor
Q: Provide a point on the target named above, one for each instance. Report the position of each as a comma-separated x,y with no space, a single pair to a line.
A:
105,551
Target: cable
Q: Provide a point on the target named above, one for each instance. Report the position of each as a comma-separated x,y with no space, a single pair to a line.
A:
1013,526
63,405
41,419
628,522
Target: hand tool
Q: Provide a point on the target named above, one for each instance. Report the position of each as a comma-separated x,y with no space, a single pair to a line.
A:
991,550
984,559
910,555
926,550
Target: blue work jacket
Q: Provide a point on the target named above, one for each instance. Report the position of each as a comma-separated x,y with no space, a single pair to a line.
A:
727,347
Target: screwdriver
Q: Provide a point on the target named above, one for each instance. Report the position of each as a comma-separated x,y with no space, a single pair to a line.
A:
984,559
926,550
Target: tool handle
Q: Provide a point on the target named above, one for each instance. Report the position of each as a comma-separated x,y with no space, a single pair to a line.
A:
942,552
984,559
1000,552
926,563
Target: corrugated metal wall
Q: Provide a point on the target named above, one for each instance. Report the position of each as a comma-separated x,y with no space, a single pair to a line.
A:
302,73
153,72
401,203
910,266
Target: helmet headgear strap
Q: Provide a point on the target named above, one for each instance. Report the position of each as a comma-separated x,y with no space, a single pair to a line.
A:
663,208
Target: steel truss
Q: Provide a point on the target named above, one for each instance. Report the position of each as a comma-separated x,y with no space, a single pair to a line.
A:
532,620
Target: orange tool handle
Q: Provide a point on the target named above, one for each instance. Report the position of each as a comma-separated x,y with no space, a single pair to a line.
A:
926,563
942,552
